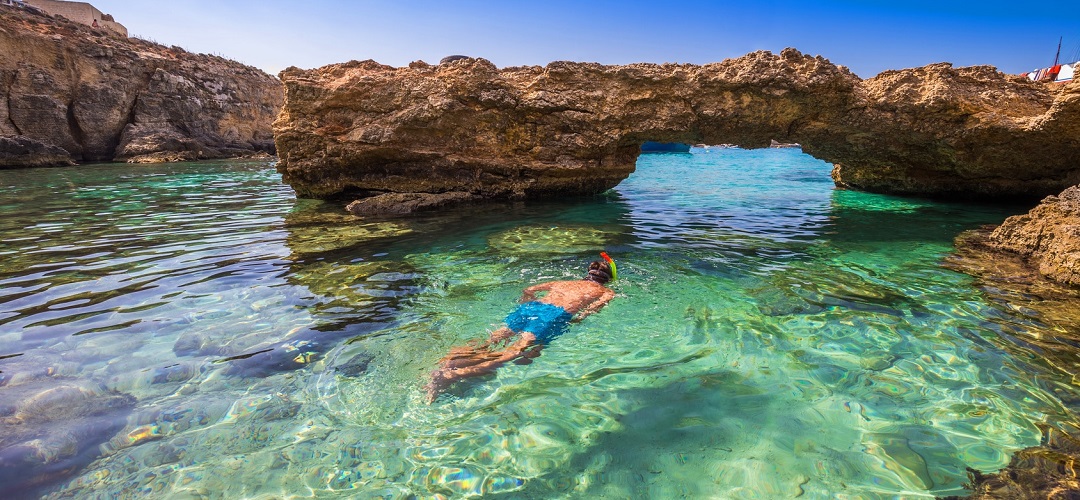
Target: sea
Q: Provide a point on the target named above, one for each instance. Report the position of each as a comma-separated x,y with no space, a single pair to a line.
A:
772,336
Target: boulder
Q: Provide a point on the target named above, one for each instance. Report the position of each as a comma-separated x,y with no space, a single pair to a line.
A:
22,151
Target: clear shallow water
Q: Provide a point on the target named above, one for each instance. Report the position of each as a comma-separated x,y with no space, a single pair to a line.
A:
772,337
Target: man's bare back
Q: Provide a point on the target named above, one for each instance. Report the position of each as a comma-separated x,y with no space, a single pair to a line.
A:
546,308
578,297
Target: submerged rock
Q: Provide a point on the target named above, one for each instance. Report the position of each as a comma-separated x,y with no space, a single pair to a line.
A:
576,128
403,203
355,365
1046,471
51,428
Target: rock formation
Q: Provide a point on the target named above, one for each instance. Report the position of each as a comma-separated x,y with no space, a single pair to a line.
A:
22,151
1048,237
102,97
467,127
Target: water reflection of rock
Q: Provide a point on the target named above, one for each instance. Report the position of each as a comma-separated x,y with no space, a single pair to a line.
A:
352,292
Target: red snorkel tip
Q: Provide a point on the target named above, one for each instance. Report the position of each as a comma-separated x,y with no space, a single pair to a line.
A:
611,264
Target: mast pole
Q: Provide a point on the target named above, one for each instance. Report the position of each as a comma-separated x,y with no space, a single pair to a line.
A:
1056,56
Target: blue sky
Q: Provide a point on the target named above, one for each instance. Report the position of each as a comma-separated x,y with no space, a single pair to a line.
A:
866,36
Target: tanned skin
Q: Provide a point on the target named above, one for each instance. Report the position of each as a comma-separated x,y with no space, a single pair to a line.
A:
580,298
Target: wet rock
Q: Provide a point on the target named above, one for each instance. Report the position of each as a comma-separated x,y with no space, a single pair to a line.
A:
53,429
22,151
404,203
1007,279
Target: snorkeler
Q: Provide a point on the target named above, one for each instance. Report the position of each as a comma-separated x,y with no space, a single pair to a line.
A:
537,320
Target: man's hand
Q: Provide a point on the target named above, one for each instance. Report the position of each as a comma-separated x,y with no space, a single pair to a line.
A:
529,294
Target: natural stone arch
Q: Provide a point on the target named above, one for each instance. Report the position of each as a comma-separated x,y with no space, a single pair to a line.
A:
474,130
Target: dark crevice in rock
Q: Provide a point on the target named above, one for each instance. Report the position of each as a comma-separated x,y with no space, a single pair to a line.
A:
76,131
9,84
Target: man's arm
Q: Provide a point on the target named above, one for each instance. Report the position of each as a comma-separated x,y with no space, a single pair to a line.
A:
530,292
596,305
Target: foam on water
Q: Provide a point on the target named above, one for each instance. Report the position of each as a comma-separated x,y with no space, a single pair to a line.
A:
772,337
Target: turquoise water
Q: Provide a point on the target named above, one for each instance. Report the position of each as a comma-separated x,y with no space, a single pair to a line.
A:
772,337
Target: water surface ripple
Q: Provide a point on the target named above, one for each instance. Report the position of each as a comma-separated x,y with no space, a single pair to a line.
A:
772,337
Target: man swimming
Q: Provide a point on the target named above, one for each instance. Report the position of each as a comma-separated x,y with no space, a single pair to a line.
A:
537,320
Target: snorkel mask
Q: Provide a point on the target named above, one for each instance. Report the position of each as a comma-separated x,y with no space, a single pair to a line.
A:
611,264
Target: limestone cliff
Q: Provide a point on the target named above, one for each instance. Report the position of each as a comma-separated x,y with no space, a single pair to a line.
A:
102,97
569,128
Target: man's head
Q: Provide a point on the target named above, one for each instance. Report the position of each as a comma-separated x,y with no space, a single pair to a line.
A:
599,272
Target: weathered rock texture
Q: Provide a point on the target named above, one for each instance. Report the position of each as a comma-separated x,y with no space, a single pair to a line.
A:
102,97
1048,237
22,151
573,128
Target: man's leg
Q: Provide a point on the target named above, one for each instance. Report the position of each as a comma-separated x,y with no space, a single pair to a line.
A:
475,366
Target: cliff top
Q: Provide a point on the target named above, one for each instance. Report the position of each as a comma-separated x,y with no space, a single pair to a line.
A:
17,21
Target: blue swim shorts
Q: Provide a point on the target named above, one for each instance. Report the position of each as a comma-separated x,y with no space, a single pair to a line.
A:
546,321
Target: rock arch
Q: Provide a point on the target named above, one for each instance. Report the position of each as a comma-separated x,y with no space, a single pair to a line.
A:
569,128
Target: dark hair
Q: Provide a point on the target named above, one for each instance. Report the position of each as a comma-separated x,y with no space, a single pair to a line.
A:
599,272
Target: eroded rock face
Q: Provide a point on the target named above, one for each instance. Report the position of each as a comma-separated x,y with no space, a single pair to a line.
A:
1048,237
101,97
575,128
959,132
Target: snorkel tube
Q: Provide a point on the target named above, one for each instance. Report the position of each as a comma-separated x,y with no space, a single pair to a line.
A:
611,264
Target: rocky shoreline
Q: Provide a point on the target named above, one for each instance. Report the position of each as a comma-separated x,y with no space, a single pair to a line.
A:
73,94
1018,266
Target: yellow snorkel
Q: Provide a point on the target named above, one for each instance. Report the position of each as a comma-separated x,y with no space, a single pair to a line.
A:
611,264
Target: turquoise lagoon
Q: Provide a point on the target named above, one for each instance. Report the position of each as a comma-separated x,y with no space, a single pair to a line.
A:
772,337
